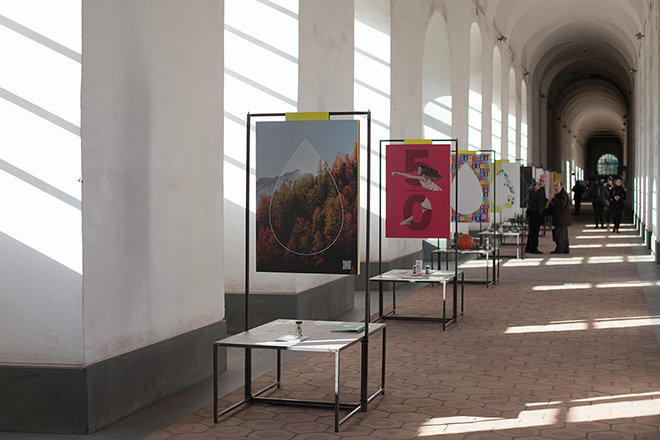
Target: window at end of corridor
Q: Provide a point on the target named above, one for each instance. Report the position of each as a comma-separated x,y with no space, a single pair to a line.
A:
608,164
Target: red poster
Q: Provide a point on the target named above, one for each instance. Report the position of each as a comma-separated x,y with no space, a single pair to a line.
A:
418,191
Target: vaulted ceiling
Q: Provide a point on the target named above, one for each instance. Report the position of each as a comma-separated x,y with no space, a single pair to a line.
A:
581,55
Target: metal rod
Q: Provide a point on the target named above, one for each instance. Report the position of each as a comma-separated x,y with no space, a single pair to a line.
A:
367,292
337,391
248,352
215,383
247,222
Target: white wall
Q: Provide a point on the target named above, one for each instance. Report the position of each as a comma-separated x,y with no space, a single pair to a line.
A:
152,171
40,242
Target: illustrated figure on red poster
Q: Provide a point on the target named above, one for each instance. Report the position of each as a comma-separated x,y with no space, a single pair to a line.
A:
418,191
426,176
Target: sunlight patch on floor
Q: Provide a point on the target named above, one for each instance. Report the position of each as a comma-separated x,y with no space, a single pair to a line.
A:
563,261
462,424
605,259
621,406
552,327
566,286
641,321
527,262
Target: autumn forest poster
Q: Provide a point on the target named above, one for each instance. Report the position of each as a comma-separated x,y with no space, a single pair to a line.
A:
307,196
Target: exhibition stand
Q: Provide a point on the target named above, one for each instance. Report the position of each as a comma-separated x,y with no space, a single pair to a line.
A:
403,275
318,336
434,277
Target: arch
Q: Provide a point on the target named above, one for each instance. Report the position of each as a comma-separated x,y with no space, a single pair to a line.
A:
496,105
436,81
475,89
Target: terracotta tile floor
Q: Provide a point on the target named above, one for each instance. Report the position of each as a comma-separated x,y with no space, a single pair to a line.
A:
561,348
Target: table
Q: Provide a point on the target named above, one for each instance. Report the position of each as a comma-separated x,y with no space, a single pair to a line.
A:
406,276
321,340
498,239
491,253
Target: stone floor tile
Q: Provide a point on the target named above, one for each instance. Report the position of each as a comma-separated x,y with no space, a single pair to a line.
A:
193,436
610,436
159,435
275,434
228,431
183,428
563,434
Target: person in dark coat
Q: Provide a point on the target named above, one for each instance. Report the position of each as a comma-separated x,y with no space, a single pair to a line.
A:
561,218
578,189
599,200
608,210
535,206
617,203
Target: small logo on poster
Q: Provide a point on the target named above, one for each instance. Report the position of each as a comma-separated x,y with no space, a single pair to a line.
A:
347,264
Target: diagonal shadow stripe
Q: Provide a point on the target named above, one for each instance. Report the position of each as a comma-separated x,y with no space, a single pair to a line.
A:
279,8
39,184
260,43
41,112
38,38
261,87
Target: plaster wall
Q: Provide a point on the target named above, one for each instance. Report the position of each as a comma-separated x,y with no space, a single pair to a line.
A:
41,303
152,172
309,49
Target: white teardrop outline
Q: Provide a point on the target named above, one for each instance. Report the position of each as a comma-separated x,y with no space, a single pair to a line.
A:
270,207
454,205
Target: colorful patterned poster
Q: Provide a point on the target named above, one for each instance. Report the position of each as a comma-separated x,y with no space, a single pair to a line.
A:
417,194
507,187
307,196
473,187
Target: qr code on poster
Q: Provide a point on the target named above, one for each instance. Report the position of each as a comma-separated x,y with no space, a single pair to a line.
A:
346,264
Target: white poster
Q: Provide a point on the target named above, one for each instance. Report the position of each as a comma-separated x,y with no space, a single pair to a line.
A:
507,187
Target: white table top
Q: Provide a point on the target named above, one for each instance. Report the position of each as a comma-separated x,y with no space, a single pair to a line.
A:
508,233
435,276
463,251
320,336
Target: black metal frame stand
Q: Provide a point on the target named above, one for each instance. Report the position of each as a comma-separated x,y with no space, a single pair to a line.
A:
249,395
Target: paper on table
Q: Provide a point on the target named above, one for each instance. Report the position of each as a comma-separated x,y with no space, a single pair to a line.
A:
291,338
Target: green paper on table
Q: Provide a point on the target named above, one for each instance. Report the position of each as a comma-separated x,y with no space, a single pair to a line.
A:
349,328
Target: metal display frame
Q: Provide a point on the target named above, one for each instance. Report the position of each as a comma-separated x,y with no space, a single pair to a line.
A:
250,397
429,142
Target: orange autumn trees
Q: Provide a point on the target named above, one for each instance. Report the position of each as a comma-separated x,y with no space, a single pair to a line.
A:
309,223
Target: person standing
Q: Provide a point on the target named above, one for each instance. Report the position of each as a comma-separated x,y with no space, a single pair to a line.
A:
617,204
561,218
599,200
536,200
578,189
608,211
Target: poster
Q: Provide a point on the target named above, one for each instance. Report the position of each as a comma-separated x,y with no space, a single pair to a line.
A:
417,196
307,196
473,187
507,187
526,180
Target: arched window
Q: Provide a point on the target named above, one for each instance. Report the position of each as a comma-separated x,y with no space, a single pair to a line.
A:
436,81
608,164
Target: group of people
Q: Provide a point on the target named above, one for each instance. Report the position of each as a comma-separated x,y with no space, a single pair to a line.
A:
608,201
538,206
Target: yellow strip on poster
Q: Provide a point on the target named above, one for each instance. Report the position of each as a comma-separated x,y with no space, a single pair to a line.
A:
417,141
308,116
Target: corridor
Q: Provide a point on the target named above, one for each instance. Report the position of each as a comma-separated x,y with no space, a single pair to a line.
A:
563,347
